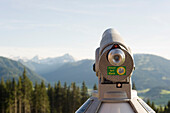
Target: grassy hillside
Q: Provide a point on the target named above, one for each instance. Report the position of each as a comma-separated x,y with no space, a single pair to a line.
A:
160,95
151,71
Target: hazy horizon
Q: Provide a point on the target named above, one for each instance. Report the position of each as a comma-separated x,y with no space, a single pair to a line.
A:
75,58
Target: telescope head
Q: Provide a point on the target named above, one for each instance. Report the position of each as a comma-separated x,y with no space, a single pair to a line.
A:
113,60
114,65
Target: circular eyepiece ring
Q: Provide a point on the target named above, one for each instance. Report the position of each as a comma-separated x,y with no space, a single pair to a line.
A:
116,57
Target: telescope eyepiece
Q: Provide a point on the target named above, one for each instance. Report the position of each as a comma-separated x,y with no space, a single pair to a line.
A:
116,57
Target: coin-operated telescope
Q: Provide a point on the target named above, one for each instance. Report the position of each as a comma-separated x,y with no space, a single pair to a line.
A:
114,65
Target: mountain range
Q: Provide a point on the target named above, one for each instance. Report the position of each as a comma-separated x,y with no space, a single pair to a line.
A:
47,65
151,75
150,70
36,59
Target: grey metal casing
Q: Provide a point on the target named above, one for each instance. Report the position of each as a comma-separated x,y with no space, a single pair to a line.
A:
110,98
109,38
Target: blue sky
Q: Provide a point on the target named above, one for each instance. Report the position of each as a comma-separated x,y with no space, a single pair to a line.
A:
50,28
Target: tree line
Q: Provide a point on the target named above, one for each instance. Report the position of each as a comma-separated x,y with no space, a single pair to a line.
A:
159,109
22,97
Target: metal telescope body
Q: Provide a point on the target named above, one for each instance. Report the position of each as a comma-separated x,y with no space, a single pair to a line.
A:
114,65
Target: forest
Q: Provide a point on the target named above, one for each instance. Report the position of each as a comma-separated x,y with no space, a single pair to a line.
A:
21,96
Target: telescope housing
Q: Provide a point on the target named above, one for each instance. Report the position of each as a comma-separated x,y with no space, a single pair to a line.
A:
114,65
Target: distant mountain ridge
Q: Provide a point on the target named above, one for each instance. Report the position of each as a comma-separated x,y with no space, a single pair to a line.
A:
150,69
12,69
49,60
43,66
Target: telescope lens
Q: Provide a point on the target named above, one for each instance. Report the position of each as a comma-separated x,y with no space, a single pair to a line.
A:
116,57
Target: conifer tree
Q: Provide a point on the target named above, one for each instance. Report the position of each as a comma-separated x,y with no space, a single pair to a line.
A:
73,98
14,95
160,109
84,93
64,100
27,93
168,106
3,96
19,95
68,110
153,106
56,97
44,101
167,110
133,86
51,97
148,102
95,87
78,98
36,99
9,99
59,97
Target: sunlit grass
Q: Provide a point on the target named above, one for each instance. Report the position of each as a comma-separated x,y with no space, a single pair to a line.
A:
165,78
143,91
165,92
141,97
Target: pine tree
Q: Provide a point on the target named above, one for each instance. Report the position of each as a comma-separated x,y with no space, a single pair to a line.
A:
64,100
148,102
168,108
133,86
95,87
27,93
3,96
55,97
78,98
19,95
68,110
73,97
9,98
165,109
14,96
35,100
59,97
84,93
153,106
44,101
160,110
51,97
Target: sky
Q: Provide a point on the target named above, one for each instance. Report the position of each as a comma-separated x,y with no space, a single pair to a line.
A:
50,28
